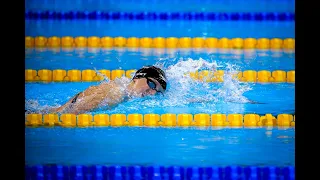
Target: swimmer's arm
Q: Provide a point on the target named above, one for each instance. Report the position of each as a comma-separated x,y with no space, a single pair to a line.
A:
83,103
91,98
63,107
86,100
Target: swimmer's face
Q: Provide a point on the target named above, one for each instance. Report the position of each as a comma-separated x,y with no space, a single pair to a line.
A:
146,87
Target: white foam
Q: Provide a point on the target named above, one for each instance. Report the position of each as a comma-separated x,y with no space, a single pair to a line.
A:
183,87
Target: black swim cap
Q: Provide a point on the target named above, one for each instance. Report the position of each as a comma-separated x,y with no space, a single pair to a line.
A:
152,72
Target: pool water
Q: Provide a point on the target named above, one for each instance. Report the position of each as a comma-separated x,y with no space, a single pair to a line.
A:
164,5
147,28
164,146
160,146
277,98
135,58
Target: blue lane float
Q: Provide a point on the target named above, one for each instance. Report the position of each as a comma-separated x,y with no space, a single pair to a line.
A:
102,172
233,16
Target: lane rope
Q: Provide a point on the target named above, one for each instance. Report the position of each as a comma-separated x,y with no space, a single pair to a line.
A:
161,120
201,16
159,42
90,75
155,172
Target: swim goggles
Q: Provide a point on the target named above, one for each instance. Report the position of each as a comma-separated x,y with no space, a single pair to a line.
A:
152,85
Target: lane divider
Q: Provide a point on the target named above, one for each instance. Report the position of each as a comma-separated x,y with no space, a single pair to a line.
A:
160,120
89,75
212,16
158,172
160,42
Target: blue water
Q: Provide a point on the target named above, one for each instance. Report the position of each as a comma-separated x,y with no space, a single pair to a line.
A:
126,28
150,146
134,58
163,146
277,99
160,146
164,5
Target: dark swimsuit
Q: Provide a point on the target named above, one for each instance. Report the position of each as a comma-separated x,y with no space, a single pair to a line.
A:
75,98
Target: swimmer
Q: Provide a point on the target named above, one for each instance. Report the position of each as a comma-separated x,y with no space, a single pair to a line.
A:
147,81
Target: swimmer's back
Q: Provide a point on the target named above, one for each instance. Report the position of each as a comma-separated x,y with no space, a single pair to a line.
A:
114,93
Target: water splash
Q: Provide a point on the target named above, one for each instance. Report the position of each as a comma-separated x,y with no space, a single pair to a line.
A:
104,77
183,87
33,106
182,90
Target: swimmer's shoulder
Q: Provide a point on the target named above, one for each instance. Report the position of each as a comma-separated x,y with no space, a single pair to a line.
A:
113,88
